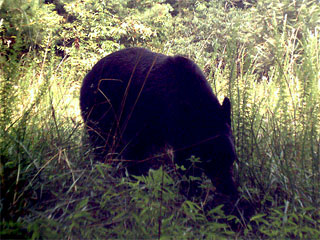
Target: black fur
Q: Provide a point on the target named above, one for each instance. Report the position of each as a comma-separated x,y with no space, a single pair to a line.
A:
136,102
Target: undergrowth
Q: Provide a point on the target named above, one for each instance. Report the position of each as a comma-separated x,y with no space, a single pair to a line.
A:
51,188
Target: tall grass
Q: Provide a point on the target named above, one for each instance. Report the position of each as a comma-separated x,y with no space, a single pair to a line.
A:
39,122
277,128
51,188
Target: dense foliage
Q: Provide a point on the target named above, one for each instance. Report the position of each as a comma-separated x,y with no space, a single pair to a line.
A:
264,55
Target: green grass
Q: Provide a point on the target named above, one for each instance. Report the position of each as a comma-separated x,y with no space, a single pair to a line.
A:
52,188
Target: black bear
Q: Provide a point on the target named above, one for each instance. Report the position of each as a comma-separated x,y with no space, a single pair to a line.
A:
136,103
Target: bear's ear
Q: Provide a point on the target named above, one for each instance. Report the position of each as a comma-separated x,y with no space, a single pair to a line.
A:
226,110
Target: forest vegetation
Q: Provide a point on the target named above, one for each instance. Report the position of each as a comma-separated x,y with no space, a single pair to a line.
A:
263,55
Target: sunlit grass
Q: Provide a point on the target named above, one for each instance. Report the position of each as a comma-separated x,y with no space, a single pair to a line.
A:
54,189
